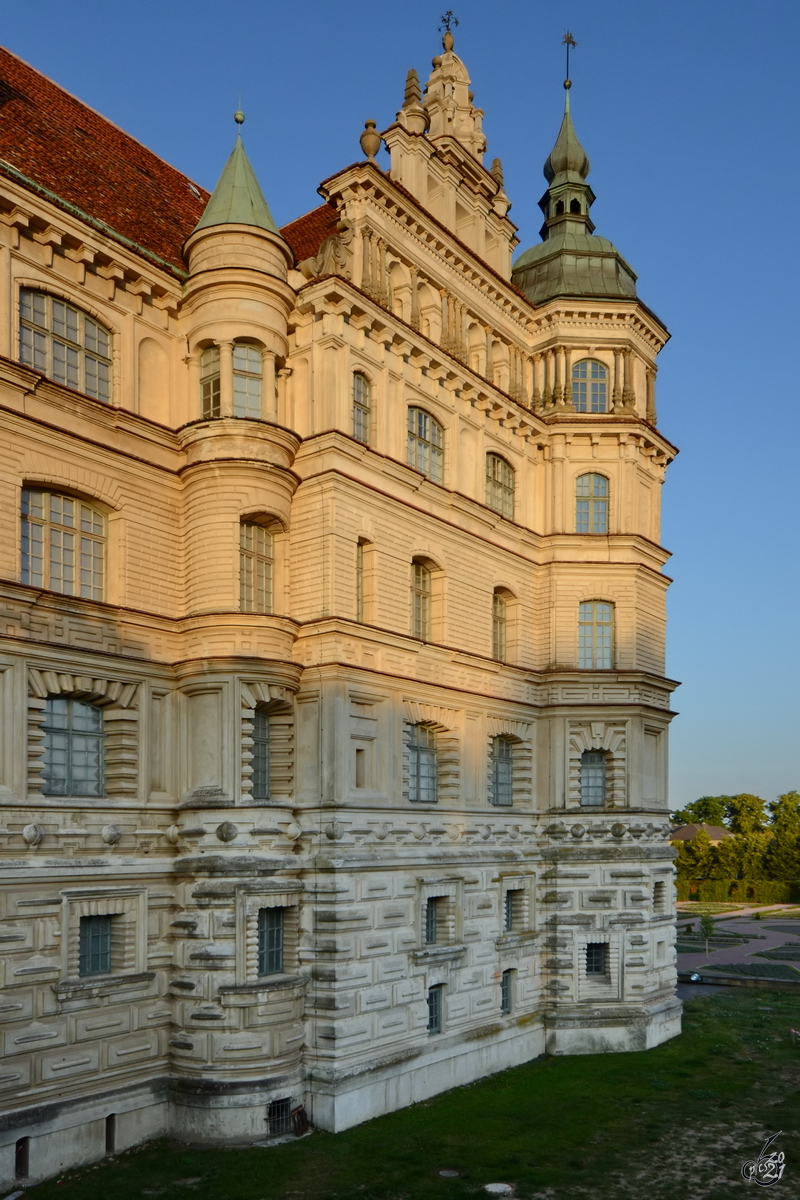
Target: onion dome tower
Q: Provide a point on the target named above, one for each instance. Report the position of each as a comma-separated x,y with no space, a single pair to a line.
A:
570,260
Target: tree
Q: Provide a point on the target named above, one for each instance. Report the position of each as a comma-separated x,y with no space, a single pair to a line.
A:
694,857
782,858
708,809
706,927
745,813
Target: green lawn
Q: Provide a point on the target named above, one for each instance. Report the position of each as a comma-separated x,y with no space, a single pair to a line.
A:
669,1124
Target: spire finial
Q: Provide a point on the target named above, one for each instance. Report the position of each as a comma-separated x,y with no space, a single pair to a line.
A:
569,41
449,22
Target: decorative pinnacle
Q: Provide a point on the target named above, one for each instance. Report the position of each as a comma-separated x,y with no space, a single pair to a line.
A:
238,117
413,95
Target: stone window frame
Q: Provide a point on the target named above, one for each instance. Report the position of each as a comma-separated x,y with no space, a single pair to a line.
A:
119,700
444,721
128,905
277,701
598,987
250,899
450,890
612,739
518,733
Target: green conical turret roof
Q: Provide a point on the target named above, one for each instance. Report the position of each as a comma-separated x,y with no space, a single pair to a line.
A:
237,199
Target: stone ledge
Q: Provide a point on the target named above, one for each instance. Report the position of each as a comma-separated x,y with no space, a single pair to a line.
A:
70,988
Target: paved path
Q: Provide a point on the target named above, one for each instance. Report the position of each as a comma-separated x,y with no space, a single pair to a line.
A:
763,939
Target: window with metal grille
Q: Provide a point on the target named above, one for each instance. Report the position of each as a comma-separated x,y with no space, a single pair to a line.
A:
420,601
597,958
500,485
72,758
435,1009
270,940
502,765
255,567
593,777
434,919
423,765
362,407
260,755
595,634
425,444
209,382
65,343
660,897
63,544
246,381
499,626
506,992
279,1117
589,386
591,504
94,946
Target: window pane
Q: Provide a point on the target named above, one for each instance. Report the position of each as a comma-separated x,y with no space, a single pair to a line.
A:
270,941
593,778
596,958
362,402
499,627
502,771
94,957
255,568
73,748
423,765
55,346
260,756
425,444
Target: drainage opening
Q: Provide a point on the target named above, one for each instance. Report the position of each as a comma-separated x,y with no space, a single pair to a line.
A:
22,1158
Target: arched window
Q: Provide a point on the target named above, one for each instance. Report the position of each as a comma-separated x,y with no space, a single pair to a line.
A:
65,343
260,755
499,625
72,762
590,386
502,772
420,601
591,504
423,765
595,634
574,206
500,485
63,544
209,382
362,407
593,778
255,567
246,381
425,444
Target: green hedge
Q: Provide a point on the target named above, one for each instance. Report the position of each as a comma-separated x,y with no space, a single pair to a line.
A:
760,891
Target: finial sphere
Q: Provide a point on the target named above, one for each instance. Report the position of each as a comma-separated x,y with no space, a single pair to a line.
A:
567,84
239,117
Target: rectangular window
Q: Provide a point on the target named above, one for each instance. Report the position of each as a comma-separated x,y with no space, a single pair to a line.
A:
423,765
420,601
255,568
433,922
502,772
597,958
499,625
362,404
94,951
595,634
210,383
506,992
270,941
361,768
246,381
73,748
514,910
63,544
260,756
435,1009
659,898
593,777
279,1117
359,581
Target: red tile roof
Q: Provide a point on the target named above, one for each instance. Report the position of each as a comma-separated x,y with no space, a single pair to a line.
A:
71,150
685,833
306,234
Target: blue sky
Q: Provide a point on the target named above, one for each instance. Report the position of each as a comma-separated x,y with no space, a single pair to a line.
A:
690,114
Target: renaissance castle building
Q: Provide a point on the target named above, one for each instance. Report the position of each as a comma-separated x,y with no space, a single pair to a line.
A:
333,715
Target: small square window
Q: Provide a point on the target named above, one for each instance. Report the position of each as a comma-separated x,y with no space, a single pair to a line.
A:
279,1117
597,958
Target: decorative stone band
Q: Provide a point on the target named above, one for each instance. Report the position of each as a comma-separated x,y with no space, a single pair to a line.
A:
119,701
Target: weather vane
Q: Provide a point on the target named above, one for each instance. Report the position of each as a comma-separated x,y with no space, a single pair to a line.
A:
447,20
569,41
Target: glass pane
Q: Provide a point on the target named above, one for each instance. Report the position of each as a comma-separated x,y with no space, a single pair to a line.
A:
260,756
94,957
270,941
